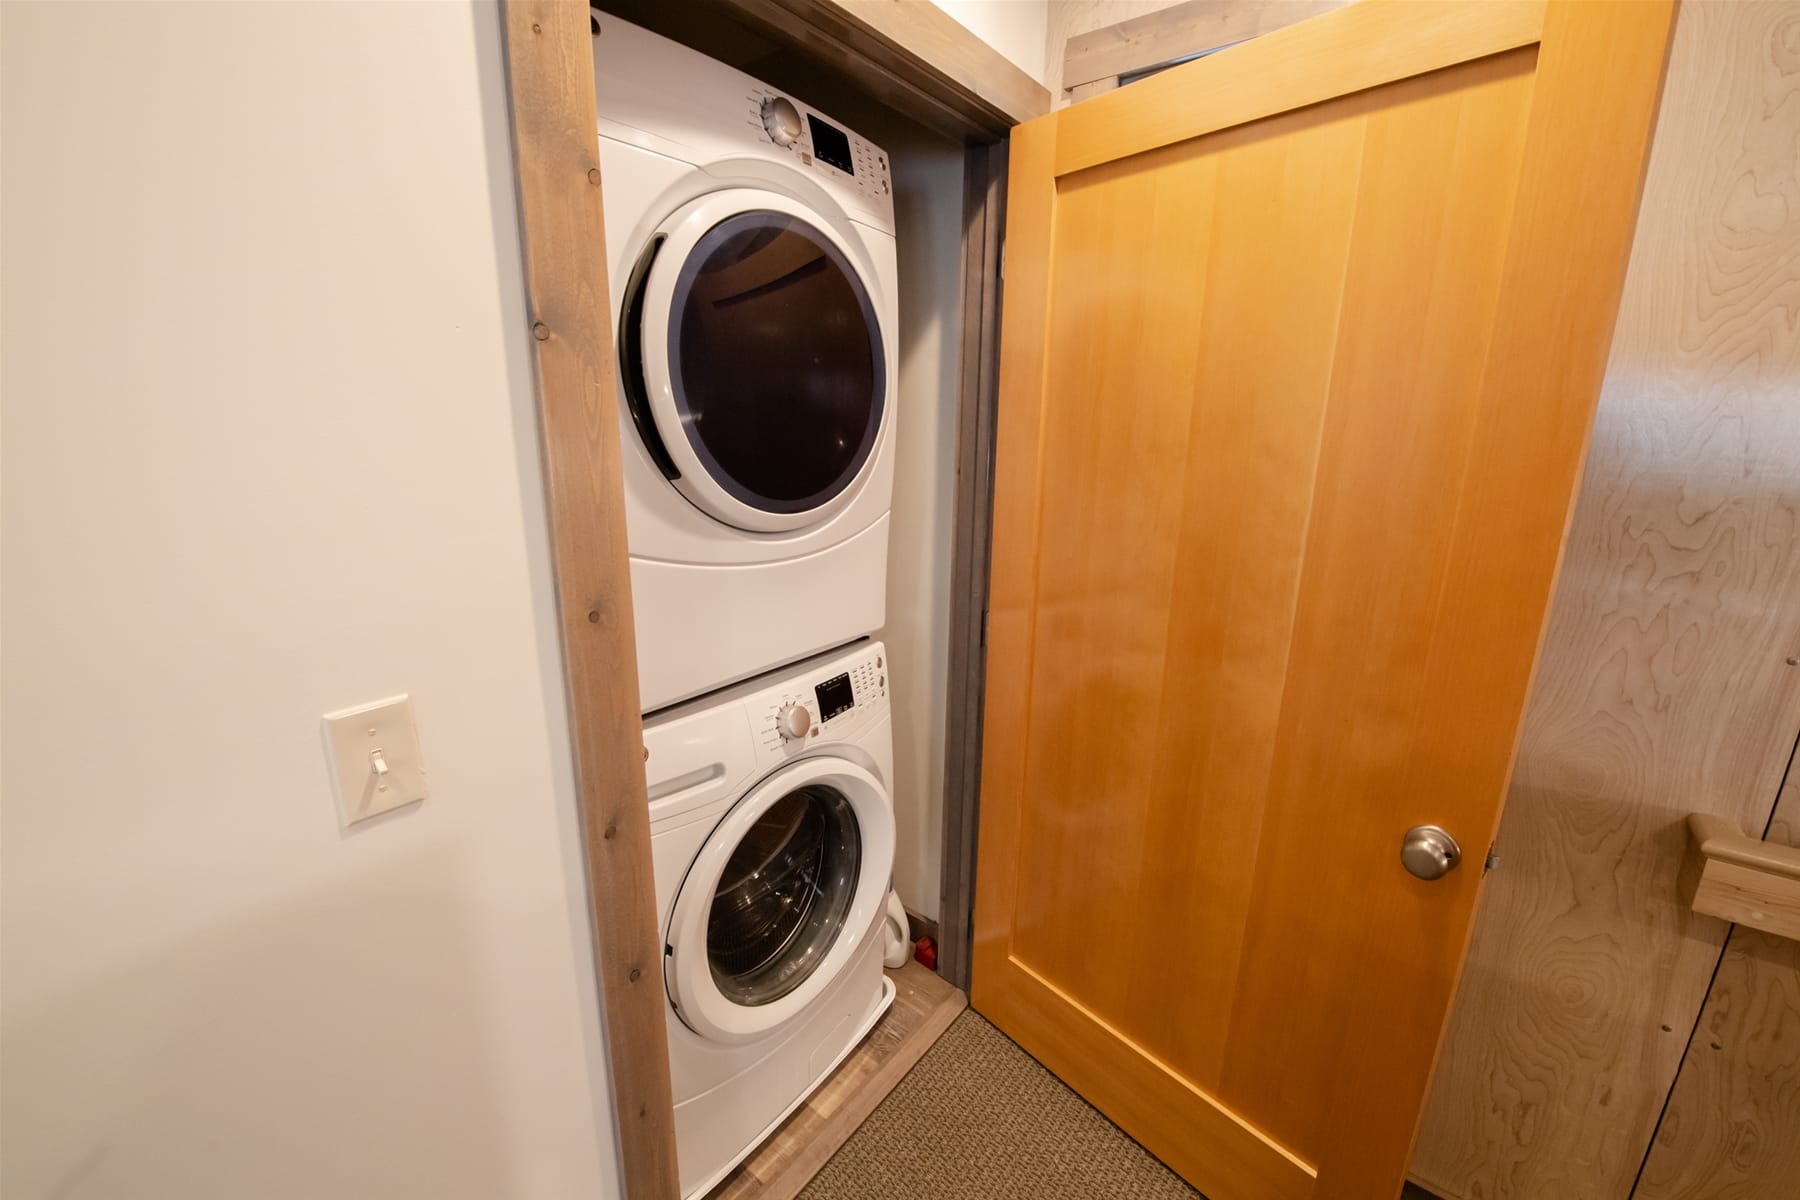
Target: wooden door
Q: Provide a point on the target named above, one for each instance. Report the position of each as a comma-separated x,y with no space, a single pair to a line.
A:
1300,348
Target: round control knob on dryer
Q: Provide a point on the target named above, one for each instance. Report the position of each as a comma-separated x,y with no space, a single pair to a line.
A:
782,120
795,722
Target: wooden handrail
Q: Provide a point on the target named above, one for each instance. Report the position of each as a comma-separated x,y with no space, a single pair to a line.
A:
1728,874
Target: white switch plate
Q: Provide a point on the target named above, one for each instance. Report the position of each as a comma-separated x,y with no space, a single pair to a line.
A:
354,738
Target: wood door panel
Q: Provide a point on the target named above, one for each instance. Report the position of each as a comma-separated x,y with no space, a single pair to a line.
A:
1386,544
1114,546
1291,412
1182,729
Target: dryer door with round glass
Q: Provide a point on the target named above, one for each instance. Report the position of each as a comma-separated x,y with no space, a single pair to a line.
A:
779,898
752,358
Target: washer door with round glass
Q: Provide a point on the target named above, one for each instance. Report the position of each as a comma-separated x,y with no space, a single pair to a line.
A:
752,359
779,898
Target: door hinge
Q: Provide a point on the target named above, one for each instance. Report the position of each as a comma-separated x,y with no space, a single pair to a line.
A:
984,616
1492,860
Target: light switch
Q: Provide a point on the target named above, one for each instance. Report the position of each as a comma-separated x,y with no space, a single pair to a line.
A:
374,756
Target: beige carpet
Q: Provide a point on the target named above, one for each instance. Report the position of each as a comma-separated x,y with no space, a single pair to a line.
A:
979,1119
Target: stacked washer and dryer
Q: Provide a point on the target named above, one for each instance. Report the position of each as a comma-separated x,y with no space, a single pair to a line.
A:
752,259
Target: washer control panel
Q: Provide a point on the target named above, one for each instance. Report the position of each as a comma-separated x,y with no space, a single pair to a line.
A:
831,702
821,144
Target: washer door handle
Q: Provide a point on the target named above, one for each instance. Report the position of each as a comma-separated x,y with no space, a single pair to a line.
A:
1429,852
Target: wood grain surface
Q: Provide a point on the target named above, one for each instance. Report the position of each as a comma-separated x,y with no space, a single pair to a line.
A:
1069,19
1663,685
1334,54
924,1005
1738,878
550,76
933,37
1731,1130
1294,394
906,54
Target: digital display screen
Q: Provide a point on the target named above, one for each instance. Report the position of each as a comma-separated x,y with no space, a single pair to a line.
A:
834,697
830,144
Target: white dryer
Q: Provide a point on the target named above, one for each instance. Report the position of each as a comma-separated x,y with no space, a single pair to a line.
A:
750,244
772,834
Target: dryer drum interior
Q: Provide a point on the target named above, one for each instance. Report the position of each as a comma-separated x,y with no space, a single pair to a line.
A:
776,360
784,894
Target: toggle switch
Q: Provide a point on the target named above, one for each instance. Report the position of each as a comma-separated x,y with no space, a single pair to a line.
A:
374,755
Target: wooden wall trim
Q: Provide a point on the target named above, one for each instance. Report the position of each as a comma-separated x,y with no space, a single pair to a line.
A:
551,84
984,208
937,40
1177,32
910,55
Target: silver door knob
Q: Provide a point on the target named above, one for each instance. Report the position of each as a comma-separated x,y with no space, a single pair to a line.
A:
794,722
1429,852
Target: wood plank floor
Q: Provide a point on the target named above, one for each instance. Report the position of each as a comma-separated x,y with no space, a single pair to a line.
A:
924,1005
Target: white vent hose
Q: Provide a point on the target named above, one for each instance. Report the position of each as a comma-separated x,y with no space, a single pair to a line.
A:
895,933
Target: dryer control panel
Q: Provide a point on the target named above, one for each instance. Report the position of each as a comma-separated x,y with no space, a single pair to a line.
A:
820,143
666,98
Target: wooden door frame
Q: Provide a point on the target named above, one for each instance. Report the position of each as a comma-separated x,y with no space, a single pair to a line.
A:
550,82
978,406
550,88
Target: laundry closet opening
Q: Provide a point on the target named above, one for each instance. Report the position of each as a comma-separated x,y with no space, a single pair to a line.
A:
811,463
787,265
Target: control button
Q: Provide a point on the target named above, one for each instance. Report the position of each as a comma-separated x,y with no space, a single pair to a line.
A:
795,722
782,120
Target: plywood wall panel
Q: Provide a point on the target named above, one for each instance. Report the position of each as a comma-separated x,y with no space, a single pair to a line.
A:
1732,1127
1663,686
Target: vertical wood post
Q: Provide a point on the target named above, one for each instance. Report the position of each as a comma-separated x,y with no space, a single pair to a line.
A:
557,151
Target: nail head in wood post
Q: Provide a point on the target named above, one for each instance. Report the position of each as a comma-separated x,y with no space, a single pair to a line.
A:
540,331
593,616
612,831
594,175
636,974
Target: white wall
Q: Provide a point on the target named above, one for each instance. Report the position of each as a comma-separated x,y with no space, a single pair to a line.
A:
1016,28
268,451
928,202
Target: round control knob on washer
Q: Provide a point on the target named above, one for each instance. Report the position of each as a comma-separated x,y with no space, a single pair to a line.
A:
794,722
782,120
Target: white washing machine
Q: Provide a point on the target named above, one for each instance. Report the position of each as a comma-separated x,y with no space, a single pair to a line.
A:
772,833
750,244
